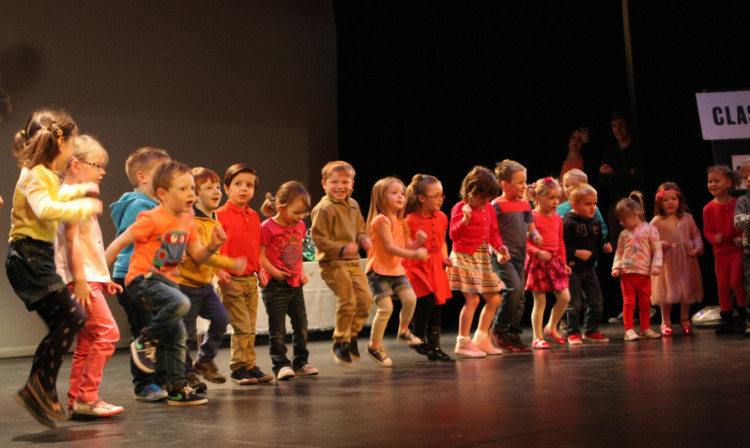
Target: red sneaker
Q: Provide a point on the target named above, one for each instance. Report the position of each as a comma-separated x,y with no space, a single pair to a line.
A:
574,339
595,337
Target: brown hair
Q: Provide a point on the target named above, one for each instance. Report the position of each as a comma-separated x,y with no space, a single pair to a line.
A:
144,160
479,182
722,170
37,143
504,170
203,175
288,192
580,191
165,173
337,165
417,187
659,201
238,168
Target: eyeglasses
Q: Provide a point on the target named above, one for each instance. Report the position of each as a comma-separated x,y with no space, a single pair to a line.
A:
437,196
98,166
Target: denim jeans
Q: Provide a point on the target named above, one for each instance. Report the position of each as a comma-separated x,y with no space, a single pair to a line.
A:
169,306
281,300
588,284
510,311
204,303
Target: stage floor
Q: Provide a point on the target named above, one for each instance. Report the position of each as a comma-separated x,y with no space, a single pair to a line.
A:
679,391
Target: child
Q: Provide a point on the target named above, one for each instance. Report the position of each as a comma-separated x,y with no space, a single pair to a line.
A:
281,238
80,261
570,181
584,235
161,236
139,167
718,228
638,255
338,230
681,242
194,281
43,148
742,223
391,241
473,228
515,222
424,198
239,291
546,264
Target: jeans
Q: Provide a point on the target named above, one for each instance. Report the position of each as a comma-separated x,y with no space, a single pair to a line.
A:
281,300
204,303
166,329
138,317
587,284
510,311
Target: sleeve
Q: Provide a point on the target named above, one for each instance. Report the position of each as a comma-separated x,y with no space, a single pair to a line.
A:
709,225
322,221
617,263
496,240
457,226
69,192
655,241
45,208
361,230
142,227
742,213
568,239
605,230
130,215
695,234
561,253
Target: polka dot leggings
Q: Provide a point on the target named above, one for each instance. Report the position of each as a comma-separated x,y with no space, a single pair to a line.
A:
64,318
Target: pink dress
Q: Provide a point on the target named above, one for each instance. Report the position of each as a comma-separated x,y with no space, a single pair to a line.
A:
680,278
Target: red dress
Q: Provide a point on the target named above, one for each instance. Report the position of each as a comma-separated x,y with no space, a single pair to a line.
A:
428,276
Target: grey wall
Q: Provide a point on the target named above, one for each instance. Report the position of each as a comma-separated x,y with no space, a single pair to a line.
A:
213,83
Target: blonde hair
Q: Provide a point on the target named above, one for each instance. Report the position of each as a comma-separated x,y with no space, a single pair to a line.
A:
287,193
144,160
379,200
580,191
575,172
542,187
417,187
337,165
85,147
632,204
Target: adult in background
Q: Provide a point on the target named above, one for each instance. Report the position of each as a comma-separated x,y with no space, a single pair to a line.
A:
577,141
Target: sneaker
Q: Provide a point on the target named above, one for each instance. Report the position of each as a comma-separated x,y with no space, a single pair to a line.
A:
631,335
96,409
210,371
408,338
354,349
540,344
286,373
47,400
593,337
501,339
486,346
380,356
24,398
468,350
180,394
143,352
152,392
307,370
242,377
650,334
195,383
341,356
575,339
515,343
256,373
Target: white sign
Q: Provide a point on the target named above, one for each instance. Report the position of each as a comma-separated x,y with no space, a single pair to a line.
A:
724,115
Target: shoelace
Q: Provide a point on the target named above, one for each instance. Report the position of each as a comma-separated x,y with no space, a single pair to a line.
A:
150,350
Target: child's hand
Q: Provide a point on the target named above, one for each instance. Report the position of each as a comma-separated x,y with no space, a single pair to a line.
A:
447,262
91,188
366,243
466,210
584,254
655,270
568,270
694,252
665,246
503,256
538,240
421,236
240,264
223,278
263,278
82,293
544,255
737,241
422,254
303,278
719,238
689,246
350,250
218,236
608,248
616,272
111,288
96,206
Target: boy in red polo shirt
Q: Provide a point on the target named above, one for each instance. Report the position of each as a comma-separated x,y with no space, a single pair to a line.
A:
239,290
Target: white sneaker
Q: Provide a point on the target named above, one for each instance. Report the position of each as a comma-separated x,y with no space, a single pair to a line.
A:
286,373
631,335
650,334
408,338
307,370
486,346
468,350
97,409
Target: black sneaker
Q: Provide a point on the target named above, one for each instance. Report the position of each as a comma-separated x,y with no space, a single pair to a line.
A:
195,382
501,339
180,394
354,349
143,352
47,400
242,377
25,399
256,373
341,355
516,344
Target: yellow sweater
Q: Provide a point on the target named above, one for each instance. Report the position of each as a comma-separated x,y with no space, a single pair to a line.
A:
39,204
197,275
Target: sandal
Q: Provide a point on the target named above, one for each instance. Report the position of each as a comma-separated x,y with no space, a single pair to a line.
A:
540,344
687,330
555,336
666,330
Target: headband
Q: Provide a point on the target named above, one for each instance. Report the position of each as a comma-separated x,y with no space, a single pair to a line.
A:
661,194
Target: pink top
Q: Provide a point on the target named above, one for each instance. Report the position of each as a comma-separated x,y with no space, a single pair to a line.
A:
284,247
380,260
551,230
481,227
638,250
719,219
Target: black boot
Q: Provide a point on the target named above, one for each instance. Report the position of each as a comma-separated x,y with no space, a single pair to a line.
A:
727,323
741,324
433,340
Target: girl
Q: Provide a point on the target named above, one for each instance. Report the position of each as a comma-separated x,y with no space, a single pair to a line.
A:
546,264
80,261
473,228
680,279
391,241
638,255
424,197
281,239
719,230
43,148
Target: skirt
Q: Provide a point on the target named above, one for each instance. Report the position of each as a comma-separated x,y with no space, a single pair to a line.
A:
545,276
473,273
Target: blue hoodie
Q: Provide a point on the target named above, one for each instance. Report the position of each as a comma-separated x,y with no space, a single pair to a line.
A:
124,213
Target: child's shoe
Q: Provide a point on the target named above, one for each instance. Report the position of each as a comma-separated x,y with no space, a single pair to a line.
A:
596,337
574,339
516,344
501,339
466,348
666,330
143,352
196,383
380,356
556,337
687,327
285,373
47,400
97,409
341,356
650,334
354,349
209,371
540,344
180,394
242,377
307,370
485,345
152,392
256,373
24,398
408,338
631,335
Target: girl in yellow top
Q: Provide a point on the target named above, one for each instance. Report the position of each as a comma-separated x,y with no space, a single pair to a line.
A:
391,241
44,148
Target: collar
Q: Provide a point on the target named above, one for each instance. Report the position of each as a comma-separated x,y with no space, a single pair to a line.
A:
233,207
200,214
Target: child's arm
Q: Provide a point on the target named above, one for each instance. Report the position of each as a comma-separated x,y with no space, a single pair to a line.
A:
742,213
533,234
458,221
605,230
125,239
276,273
384,232
37,194
617,263
322,236
81,289
657,259
696,242
200,253
418,241
495,240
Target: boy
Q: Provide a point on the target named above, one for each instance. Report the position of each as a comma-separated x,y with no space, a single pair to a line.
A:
195,282
742,222
161,236
239,291
570,180
583,234
338,230
139,167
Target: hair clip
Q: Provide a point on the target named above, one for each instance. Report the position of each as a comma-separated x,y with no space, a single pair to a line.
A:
548,180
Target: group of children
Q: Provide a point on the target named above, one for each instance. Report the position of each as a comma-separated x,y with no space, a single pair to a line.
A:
173,239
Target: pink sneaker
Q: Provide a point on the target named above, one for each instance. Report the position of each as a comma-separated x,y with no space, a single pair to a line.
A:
468,350
593,337
486,346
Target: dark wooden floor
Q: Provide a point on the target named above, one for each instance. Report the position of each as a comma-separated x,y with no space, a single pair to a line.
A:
682,391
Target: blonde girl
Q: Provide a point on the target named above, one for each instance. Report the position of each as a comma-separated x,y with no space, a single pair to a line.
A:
43,149
281,238
391,241
680,279
637,258
80,261
473,229
546,265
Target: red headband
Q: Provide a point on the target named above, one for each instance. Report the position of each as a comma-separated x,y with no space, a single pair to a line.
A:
661,194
